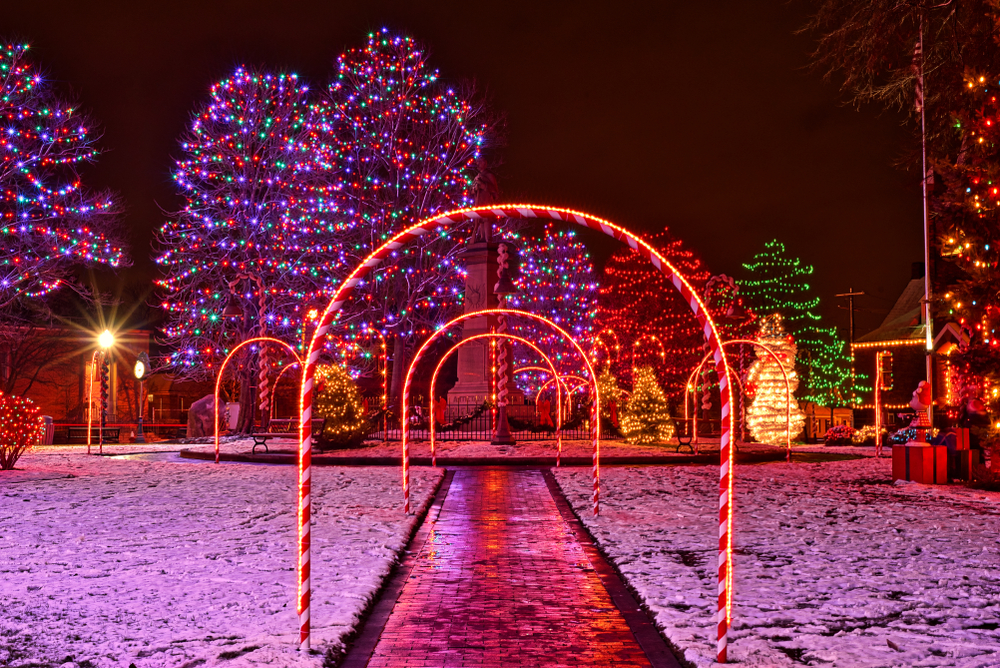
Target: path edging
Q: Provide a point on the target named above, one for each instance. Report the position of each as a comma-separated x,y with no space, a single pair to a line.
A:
657,646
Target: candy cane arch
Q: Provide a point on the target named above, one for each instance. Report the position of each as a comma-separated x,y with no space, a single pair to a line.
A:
788,392
218,379
694,419
522,212
595,429
444,358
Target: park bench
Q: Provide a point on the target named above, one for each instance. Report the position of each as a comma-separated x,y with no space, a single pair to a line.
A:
261,438
111,434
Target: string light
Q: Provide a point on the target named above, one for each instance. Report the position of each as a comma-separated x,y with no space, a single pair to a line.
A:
767,416
21,426
777,283
50,224
339,404
646,418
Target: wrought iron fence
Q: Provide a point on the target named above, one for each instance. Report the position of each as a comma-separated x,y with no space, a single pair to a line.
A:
474,419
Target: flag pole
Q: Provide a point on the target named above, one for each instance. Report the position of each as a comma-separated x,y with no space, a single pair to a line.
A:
928,321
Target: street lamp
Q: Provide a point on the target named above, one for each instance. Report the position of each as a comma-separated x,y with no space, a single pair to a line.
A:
141,370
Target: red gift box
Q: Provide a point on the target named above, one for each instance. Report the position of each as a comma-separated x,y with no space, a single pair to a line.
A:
919,462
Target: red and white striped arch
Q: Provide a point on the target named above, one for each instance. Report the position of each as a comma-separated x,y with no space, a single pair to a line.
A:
523,212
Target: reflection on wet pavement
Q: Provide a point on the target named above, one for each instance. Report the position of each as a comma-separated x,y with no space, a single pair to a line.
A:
502,580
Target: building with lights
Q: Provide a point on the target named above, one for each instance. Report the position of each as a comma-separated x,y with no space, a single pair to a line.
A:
893,358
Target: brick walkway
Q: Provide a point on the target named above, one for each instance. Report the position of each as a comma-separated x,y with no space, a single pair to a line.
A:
502,581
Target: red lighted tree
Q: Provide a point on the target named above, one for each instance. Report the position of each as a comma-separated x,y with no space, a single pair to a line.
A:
644,310
20,427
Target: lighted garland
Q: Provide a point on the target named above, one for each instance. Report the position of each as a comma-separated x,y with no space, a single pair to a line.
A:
21,426
50,223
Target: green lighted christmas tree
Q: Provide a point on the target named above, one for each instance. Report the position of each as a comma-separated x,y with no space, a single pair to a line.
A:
646,418
778,283
767,416
339,404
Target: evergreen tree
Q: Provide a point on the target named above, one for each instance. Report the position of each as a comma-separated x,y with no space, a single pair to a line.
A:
611,397
50,223
556,281
777,283
767,416
965,209
645,311
646,418
339,404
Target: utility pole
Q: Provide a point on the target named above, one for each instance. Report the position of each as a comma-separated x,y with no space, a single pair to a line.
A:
851,294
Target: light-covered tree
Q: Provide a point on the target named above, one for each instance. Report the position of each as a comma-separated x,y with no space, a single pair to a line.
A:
767,416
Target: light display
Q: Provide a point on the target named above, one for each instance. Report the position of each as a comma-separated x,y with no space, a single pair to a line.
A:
767,416
777,283
965,209
405,144
50,223
433,225
21,426
637,302
557,281
237,260
646,418
339,404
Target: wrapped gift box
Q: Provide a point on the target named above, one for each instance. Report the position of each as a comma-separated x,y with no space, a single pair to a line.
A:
920,462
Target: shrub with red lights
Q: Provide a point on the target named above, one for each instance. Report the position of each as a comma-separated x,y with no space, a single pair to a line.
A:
20,427
841,434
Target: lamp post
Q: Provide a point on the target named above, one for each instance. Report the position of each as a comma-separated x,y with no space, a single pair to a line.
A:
106,340
141,370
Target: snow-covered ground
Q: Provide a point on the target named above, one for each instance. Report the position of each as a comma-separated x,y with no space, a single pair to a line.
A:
833,562
484,449
110,562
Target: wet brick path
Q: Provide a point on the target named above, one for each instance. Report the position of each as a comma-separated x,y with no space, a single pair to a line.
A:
502,581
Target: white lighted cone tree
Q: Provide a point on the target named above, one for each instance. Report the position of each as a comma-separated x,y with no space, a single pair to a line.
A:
646,418
767,416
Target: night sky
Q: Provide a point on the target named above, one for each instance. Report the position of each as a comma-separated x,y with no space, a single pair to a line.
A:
700,116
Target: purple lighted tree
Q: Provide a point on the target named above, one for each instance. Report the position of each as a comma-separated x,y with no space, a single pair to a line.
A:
257,240
50,224
406,144
557,281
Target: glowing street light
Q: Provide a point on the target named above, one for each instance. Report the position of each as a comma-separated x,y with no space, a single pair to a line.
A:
106,339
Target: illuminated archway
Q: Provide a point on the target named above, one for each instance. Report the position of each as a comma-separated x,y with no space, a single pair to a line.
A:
595,428
521,212
490,335
218,379
788,393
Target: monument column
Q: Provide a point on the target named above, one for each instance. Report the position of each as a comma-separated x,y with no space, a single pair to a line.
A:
474,382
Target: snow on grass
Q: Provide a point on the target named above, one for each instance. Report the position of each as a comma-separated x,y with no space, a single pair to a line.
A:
107,562
832,562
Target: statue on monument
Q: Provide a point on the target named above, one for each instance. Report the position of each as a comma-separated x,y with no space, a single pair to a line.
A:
485,191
